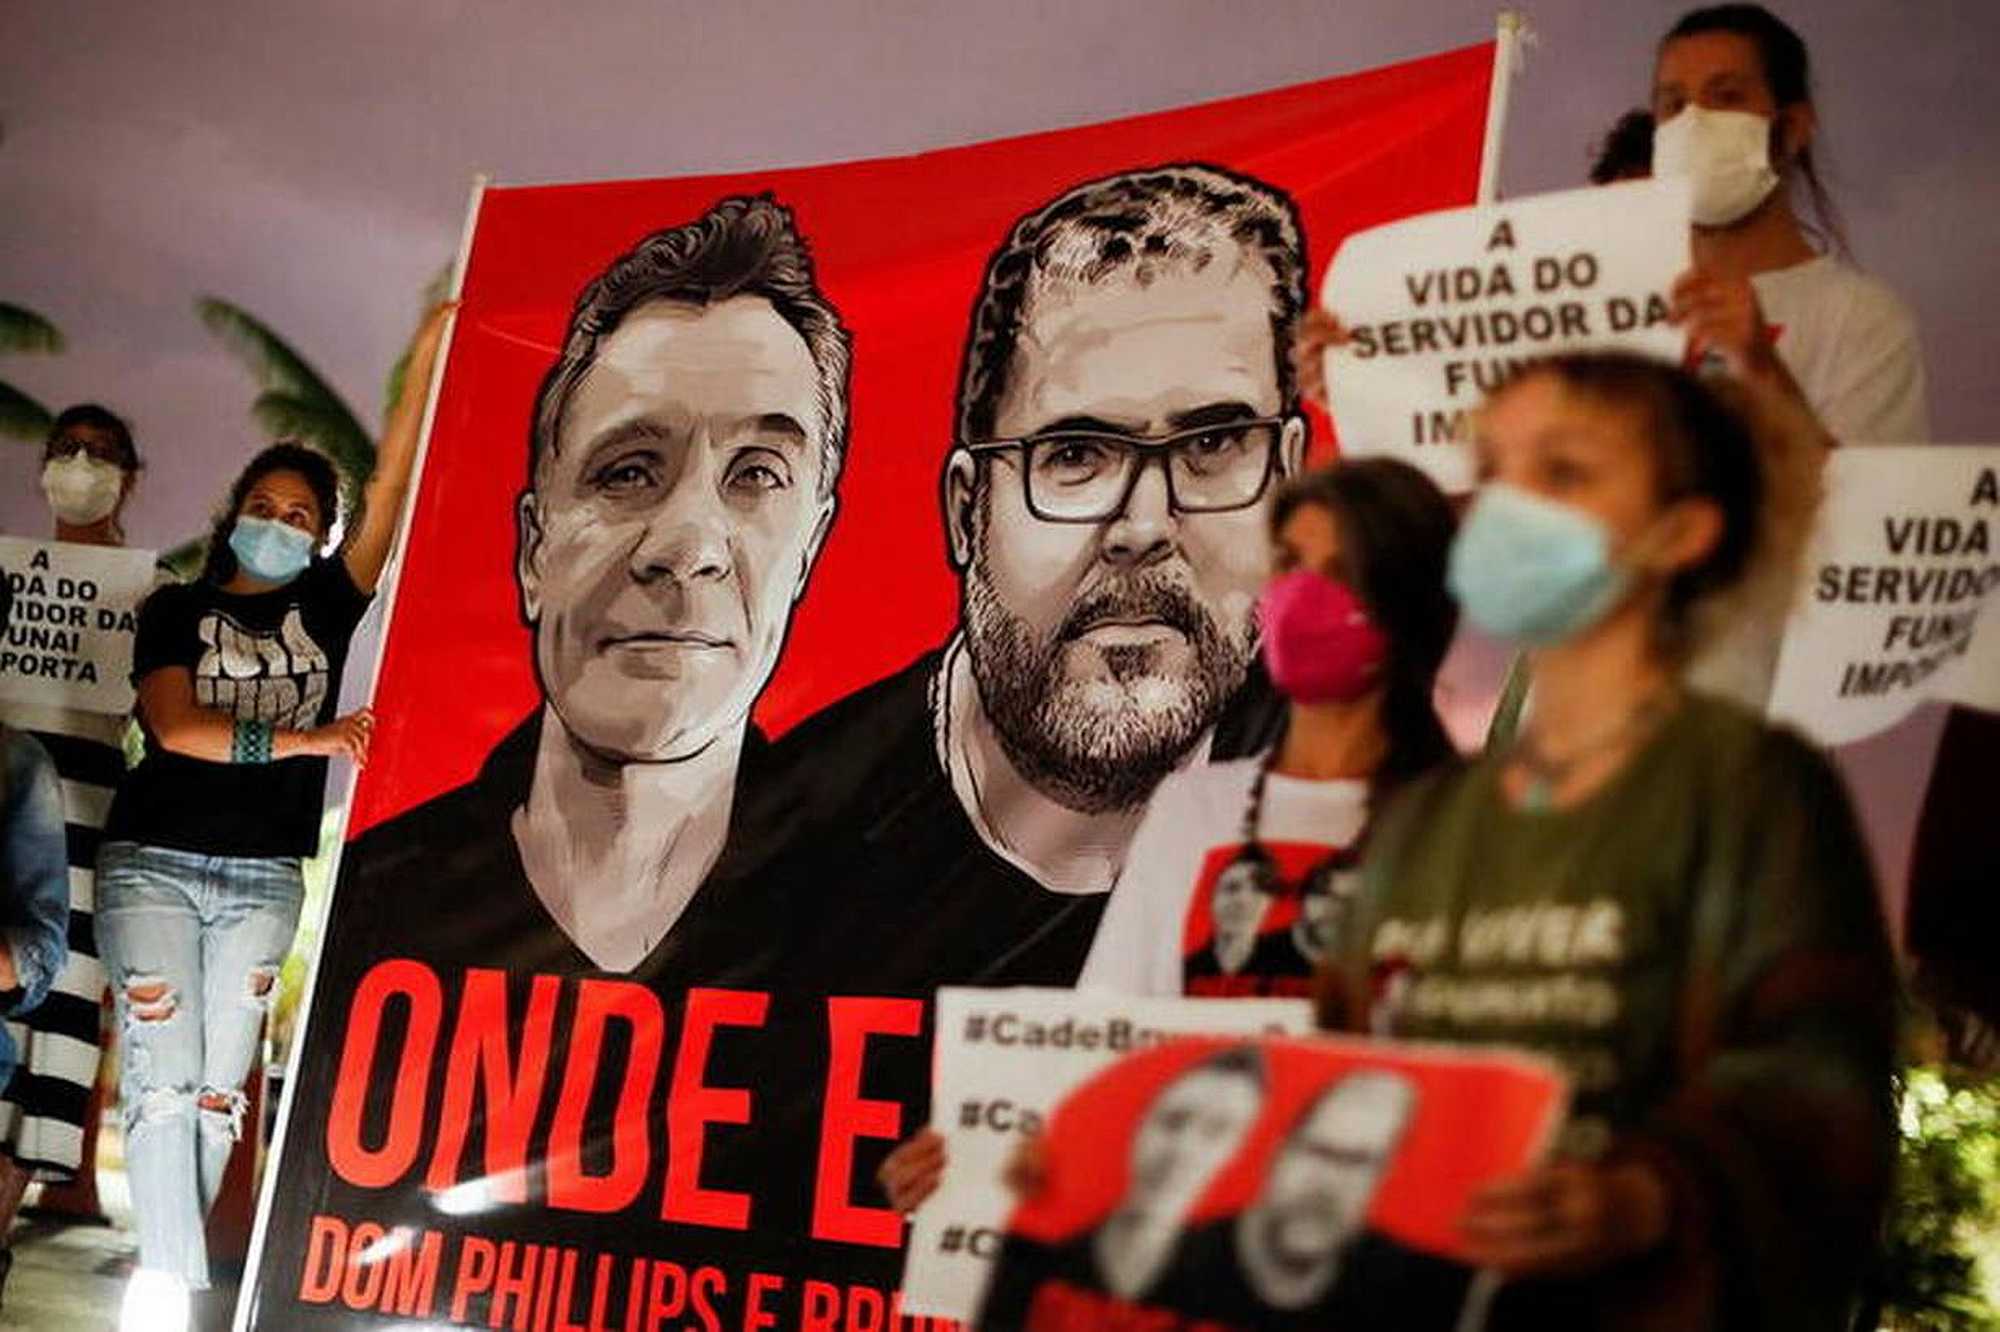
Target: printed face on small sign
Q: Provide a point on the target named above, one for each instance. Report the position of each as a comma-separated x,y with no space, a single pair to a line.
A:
1271,1183
1005,1059
811,576
1261,920
1440,310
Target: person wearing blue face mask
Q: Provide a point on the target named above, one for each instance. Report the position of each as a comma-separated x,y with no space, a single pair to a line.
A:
1649,885
34,898
198,879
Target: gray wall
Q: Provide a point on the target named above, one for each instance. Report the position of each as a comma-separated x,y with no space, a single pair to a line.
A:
309,161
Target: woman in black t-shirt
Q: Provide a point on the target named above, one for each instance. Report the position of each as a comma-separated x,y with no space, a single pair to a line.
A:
198,881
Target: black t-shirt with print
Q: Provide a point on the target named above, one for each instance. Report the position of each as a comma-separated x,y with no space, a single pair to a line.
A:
271,656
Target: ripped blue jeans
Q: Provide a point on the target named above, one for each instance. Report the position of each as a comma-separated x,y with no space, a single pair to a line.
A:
192,944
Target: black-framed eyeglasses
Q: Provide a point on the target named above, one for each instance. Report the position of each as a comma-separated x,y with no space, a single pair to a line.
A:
1087,476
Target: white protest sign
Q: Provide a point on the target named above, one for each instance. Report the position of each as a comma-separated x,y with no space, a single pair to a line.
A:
1005,1058
1902,581
1441,308
69,639
1976,681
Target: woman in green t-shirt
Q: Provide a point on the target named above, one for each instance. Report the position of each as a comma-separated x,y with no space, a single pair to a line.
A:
1649,886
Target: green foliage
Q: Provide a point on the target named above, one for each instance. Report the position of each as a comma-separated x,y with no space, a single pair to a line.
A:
24,332
295,402
185,560
1942,1255
21,417
318,872
435,293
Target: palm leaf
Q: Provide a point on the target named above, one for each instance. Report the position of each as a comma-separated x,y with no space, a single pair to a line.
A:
331,432
435,293
185,560
22,330
295,401
269,357
328,427
21,416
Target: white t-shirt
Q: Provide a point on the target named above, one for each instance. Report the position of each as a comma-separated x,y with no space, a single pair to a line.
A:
1851,344
1160,937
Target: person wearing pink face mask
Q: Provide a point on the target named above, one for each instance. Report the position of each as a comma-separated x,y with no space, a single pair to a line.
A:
1238,879
1241,875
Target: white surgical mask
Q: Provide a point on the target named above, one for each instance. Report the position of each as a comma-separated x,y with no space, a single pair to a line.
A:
82,489
1728,156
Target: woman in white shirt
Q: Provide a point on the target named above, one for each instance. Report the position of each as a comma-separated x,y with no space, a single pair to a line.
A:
1236,882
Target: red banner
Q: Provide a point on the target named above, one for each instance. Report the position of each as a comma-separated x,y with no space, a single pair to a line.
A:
794,620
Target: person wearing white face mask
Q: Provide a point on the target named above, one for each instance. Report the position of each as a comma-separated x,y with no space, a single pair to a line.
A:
88,466
1733,110
1770,298
1732,102
48,1109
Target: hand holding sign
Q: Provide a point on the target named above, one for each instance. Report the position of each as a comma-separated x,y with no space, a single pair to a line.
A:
1440,309
1005,1057
1568,1217
1721,317
1320,331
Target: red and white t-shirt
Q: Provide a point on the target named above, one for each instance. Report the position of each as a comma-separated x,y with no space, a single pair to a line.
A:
1186,919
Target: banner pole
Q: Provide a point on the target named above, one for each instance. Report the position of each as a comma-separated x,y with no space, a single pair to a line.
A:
1513,700
391,580
1506,61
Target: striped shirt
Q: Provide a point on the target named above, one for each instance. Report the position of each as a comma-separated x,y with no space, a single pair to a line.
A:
44,1106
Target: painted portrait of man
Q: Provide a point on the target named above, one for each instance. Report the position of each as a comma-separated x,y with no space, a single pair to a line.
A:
684,453
1125,409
